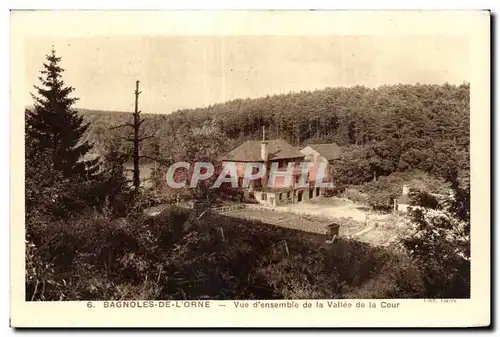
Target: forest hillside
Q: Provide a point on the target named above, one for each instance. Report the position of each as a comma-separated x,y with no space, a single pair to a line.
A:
382,130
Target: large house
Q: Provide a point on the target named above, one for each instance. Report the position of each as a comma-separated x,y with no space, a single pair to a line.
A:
283,189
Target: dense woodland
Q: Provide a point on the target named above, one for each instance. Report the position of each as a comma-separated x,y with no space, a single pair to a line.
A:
87,236
382,130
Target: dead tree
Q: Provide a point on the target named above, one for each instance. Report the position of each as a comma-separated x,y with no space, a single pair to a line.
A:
136,139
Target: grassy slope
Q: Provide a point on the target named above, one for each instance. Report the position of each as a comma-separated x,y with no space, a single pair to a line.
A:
177,256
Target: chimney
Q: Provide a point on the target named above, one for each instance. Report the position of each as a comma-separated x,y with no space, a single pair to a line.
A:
263,145
406,189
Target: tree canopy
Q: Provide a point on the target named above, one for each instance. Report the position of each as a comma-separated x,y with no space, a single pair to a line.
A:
392,128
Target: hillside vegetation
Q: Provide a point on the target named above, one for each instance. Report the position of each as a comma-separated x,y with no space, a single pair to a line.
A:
87,237
382,192
177,256
382,130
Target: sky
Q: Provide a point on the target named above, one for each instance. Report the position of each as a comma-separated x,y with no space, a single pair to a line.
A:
178,72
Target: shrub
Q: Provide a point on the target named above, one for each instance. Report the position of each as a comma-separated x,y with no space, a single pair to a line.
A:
42,282
398,278
438,242
179,255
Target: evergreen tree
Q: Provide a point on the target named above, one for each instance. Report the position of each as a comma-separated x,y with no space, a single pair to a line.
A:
116,188
55,127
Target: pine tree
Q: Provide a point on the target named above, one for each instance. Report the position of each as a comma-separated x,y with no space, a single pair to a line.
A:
55,127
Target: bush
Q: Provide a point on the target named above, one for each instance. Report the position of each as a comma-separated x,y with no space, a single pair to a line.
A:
42,282
439,243
179,255
398,278
355,196
380,194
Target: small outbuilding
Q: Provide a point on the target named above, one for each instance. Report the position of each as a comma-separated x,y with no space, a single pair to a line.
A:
332,232
403,201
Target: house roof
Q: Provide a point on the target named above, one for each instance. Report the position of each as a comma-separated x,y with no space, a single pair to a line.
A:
329,151
249,151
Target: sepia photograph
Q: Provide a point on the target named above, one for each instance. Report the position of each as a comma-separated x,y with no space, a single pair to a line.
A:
237,166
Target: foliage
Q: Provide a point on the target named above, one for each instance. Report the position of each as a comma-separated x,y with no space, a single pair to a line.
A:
59,178
439,243
383,130
87,237
54,126
397,279
177,255
425,200
118,194
382,192
41,280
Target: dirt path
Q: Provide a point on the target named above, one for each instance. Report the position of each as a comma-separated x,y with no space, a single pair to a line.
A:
363,231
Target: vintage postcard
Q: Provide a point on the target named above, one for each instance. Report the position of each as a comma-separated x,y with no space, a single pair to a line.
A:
250,169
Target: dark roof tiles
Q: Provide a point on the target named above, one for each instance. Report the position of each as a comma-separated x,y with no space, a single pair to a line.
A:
329,151
250,151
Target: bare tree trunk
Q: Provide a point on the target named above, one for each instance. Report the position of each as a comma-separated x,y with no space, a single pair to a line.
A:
136,139
135,155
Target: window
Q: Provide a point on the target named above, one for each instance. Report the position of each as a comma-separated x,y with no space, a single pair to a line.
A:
280,196
251,195
288,195
299,197
264,196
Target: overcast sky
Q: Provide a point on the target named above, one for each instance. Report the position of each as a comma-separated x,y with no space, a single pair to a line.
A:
187,72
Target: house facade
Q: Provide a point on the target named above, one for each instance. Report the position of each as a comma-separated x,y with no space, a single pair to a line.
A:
285,186
321,156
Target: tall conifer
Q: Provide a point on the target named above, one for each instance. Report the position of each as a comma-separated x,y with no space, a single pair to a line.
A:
55,127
